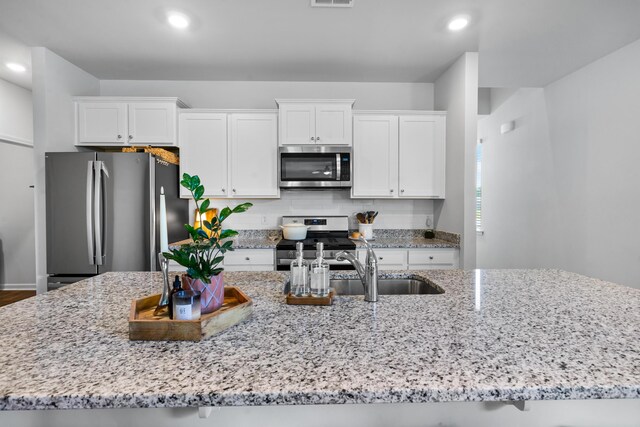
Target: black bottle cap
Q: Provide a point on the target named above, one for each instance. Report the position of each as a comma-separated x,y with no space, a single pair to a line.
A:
176,282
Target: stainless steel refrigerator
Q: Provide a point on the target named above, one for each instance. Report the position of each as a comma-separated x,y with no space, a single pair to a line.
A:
103,213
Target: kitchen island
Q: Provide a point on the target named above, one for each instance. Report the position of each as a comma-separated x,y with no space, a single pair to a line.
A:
492,336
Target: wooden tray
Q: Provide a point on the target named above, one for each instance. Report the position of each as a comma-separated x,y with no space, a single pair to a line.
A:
144,326
294,300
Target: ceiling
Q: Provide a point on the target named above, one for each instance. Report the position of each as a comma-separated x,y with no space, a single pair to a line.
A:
521,43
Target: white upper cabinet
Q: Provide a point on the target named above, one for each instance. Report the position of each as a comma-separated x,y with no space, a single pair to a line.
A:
254,155
152,123
333,123
326,122
399,155
102,122
375,156
297,124
421,156
107,121
235,154
203,151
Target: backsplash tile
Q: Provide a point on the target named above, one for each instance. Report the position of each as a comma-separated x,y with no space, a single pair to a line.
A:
267,213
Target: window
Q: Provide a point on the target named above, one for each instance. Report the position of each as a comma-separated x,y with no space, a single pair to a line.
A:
479,187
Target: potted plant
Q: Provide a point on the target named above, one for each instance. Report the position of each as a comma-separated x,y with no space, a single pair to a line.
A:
203,256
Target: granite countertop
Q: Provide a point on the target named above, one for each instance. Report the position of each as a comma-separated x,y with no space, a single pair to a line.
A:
248,239
268,239
412,239
493,335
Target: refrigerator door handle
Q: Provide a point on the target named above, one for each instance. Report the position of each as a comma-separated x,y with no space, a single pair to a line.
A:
97,209
90,239
152,208
105,210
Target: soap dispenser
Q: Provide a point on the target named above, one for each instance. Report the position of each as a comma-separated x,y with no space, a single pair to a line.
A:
319,273
299,273
177,287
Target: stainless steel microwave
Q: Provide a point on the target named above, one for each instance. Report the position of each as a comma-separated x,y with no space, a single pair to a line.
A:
314,166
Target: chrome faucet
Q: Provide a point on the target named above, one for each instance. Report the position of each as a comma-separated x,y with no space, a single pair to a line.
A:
368,273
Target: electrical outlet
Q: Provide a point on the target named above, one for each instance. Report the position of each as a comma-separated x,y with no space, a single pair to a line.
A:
264,220
429,222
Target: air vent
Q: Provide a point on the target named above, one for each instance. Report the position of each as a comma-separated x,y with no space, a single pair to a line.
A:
332,3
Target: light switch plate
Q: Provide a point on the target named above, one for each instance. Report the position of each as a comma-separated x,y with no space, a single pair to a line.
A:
429,221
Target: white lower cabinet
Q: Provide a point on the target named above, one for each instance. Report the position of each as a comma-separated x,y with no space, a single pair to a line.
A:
241,260
414,259
250,260
432,259
388,259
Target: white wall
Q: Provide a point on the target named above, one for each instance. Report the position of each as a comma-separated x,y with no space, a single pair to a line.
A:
249,94
17,240
581,175
456,91
16,114
55,82
519,198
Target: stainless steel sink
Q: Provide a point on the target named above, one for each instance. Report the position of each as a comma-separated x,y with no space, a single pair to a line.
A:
385,287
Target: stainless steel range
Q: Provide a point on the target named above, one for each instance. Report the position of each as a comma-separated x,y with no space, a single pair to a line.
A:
332,231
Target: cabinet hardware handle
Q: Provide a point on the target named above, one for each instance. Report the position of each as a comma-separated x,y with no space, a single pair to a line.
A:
119,136
317,138
248,259
234,190
313,139
431,257
380,258
391,190
402,191
130,136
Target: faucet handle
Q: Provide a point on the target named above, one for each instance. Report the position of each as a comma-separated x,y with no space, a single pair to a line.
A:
371,256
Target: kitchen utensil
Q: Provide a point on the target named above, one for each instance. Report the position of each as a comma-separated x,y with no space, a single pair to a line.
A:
370,217
361,218
294,231
374,217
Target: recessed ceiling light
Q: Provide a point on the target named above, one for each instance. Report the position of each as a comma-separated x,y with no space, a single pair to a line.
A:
178,20
16,67
458,23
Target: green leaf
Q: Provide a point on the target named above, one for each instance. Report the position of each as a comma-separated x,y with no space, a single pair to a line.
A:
207,225
202,233
242,208
224,214
227,233
195,181
197,194
217,271
205,205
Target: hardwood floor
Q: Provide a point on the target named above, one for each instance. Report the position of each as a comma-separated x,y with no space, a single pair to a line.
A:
8,297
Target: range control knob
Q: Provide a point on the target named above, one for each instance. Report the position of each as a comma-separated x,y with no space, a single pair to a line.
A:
292,254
